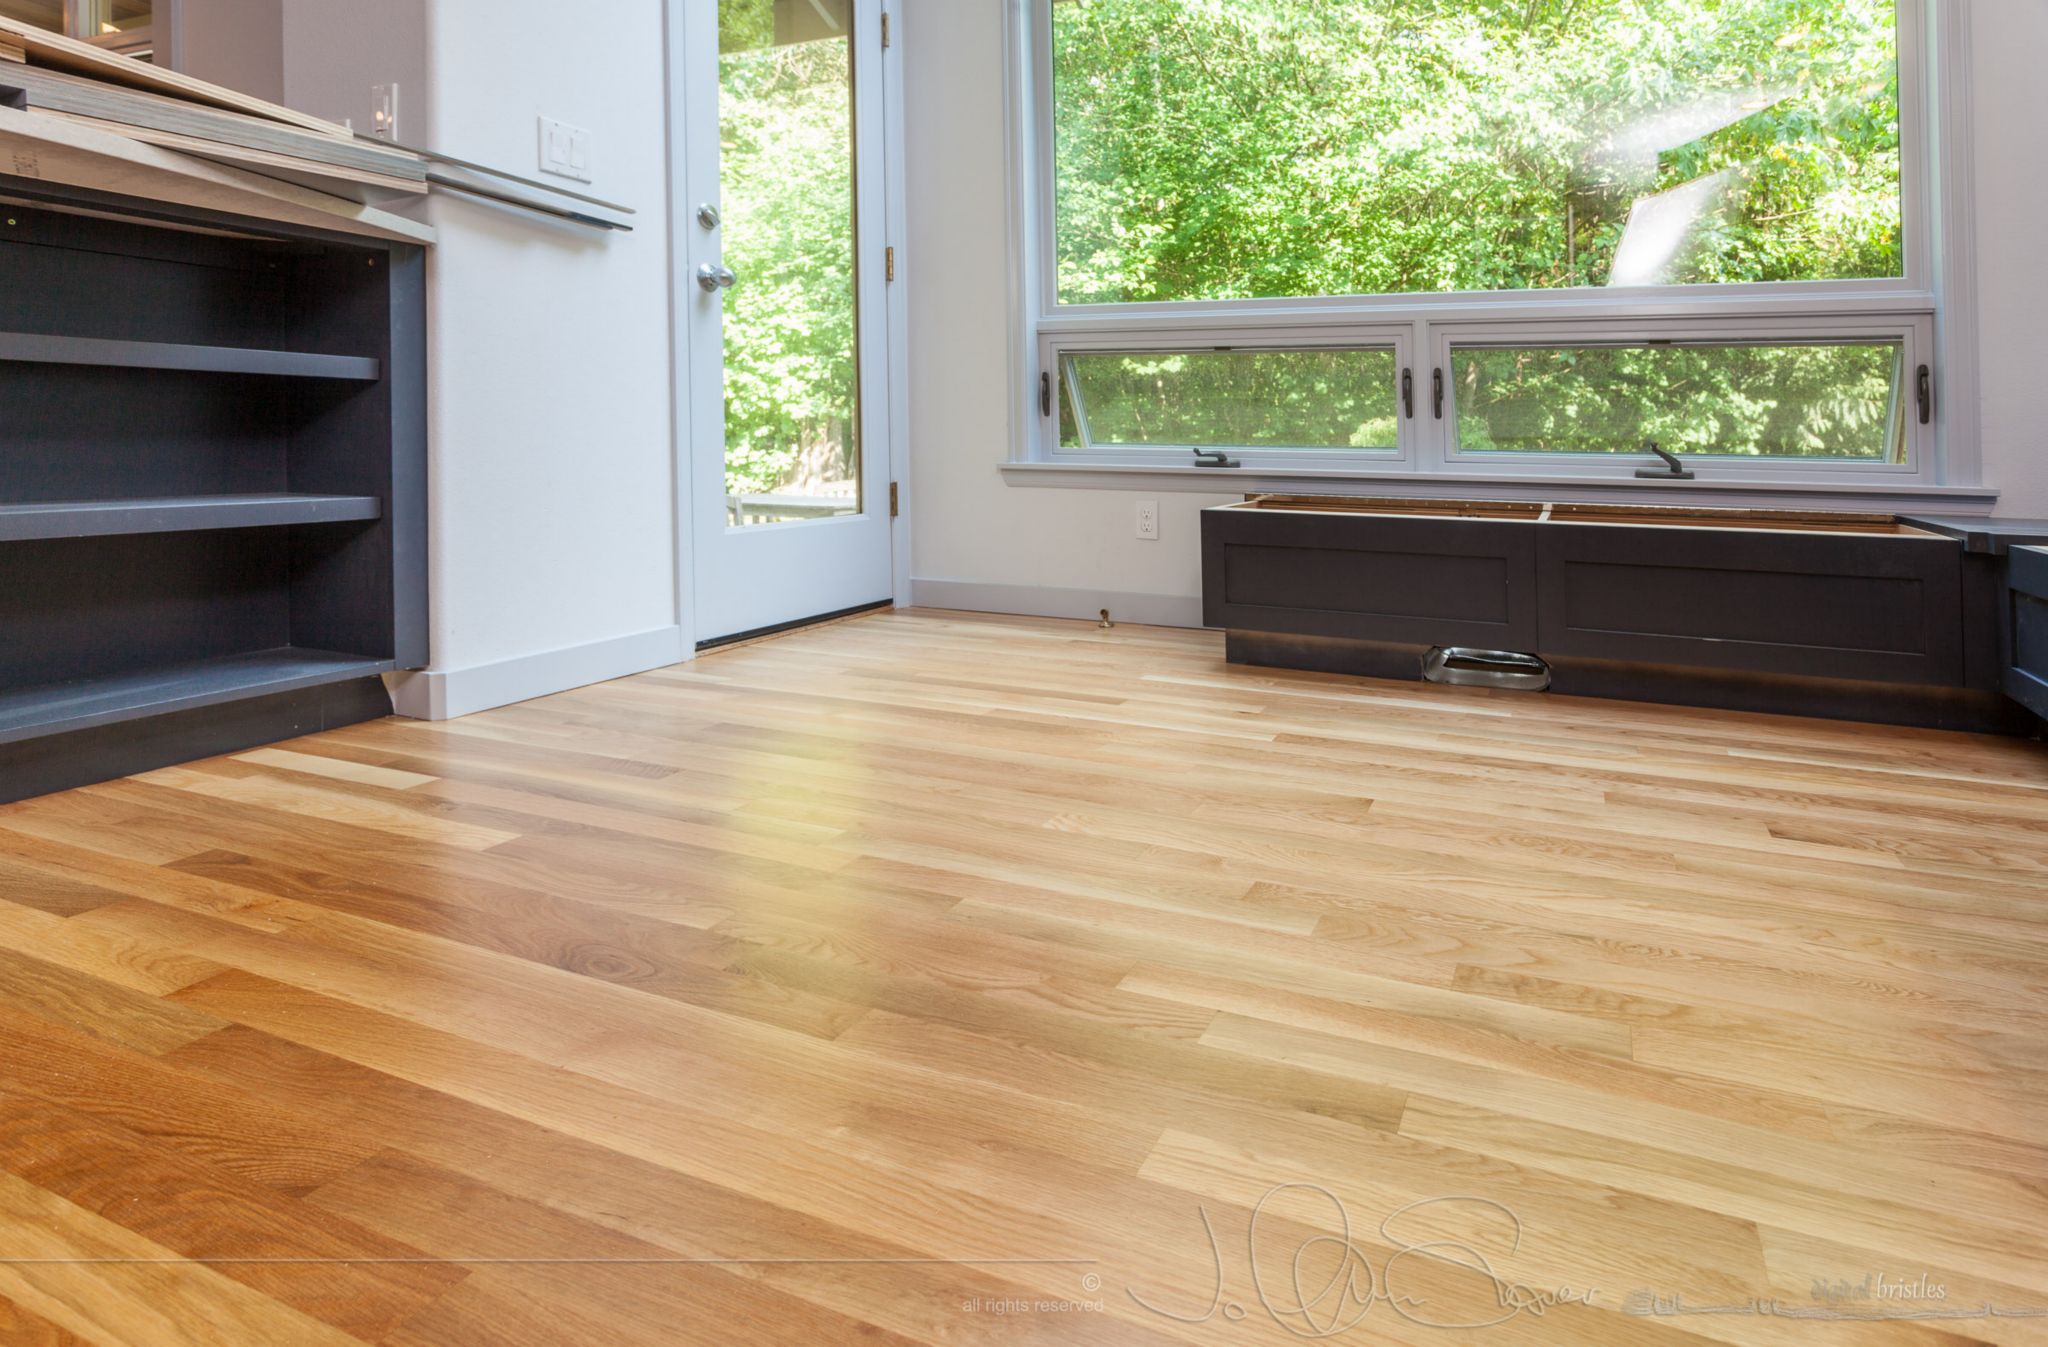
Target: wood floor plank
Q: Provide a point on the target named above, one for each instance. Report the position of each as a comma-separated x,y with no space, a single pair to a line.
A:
1943,1215
886,981
630,1290
99,952
145,1095
672,960
1164,1056
105,1010
58,895
19,1328
830,1264
331,1270
158,883
332,806
1452,1031
891,1199
339,769
94,1278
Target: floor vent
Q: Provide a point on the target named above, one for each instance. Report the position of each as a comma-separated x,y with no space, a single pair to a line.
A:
1464,668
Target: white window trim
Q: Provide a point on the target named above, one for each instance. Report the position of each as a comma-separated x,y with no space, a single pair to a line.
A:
1931,308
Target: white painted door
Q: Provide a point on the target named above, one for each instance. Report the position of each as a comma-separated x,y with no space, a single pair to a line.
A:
781,275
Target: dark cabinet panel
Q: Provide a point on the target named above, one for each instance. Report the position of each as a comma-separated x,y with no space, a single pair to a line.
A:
1871,608
1398,580
2026,681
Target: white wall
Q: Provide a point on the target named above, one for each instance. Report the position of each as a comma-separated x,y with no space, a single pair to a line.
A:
976,540
2012,262
981,542
552,550
553,487
335,53
237,43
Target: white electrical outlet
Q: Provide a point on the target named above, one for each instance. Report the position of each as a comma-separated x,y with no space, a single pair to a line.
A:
1148,520
384,111
564,150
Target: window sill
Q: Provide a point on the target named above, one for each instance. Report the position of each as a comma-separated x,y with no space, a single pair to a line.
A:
1951,500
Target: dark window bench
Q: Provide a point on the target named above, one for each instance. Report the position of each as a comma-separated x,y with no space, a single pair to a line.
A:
1854,616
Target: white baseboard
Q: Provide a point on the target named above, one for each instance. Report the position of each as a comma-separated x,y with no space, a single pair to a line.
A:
443,694
1152,610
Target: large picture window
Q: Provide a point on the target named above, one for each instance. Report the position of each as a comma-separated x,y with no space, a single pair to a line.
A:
1334,229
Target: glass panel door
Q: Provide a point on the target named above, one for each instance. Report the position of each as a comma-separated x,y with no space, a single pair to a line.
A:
781,276
792,364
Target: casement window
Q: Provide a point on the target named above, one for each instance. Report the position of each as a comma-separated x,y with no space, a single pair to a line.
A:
1496,237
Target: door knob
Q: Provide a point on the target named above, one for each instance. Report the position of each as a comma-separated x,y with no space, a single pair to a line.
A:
715,278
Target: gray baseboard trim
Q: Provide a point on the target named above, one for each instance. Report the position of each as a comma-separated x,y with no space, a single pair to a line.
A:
443,694
1152,610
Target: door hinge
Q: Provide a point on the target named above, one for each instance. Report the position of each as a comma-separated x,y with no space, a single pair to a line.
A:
885,32
895,504
888,264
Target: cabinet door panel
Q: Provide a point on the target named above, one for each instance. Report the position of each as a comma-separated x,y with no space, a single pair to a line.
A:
1403,581
1876,608
2027,680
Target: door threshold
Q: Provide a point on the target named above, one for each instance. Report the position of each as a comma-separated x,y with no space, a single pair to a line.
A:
782,628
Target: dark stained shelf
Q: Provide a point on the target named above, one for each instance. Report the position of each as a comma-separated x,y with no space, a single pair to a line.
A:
111,699
178,514
212,483
39,349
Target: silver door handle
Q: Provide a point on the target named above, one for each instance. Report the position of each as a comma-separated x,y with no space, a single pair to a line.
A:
715,278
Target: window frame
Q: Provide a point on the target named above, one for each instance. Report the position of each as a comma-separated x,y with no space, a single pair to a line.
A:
1914,335
1927,307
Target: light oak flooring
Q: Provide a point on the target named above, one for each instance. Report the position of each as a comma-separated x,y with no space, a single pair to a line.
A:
933,979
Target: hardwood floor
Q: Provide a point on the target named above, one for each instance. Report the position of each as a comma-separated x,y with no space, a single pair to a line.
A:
939,979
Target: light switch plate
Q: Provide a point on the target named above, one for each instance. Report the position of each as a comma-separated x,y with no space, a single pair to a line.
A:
564,150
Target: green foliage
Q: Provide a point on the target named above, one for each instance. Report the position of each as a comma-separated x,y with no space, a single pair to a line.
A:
1786,401
785,122
1229,149
1234,149
1322,399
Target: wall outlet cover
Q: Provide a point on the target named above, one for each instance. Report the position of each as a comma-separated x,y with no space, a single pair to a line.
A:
383,111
